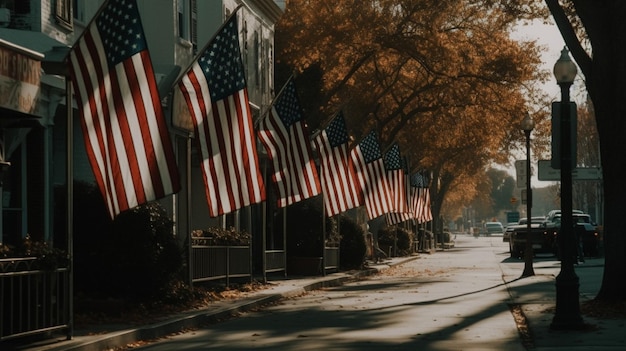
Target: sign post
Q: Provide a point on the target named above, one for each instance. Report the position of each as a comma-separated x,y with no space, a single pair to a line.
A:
546,172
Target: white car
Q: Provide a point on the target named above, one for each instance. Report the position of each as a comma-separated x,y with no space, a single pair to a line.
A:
494,228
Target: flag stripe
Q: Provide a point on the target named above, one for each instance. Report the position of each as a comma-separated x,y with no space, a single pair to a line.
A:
288,147
218,103
125,134
338,177
370,171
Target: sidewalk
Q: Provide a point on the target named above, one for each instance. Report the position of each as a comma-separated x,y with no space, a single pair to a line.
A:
119,335
535,295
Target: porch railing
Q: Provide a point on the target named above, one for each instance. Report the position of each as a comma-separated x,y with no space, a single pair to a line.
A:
275,260
32,300
331,258
220,262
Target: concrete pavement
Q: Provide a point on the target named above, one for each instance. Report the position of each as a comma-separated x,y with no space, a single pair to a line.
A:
497,281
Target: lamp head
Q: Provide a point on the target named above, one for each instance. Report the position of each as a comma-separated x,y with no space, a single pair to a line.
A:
527,124
564,69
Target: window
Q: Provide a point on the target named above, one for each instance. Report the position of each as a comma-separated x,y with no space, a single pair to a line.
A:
78,7
187,21
63,13
20,17
257,57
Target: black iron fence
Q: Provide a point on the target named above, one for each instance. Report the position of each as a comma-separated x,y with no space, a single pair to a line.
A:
331,258
32,300
220,262
275,260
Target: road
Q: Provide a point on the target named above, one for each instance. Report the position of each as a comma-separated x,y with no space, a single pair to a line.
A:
450,300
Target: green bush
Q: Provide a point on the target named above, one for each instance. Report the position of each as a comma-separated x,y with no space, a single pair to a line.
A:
305,228
401,236
146,258
352,246
134,257
92,228
47,256
215,236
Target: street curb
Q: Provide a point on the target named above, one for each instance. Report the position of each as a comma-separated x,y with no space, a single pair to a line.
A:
194,320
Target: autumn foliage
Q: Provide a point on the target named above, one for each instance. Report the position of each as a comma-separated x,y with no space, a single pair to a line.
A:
442,78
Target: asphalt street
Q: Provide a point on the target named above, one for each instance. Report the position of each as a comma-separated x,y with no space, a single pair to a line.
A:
451,300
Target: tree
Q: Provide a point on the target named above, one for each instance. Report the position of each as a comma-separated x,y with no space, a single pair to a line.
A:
440,77
502,189
601,24
585,193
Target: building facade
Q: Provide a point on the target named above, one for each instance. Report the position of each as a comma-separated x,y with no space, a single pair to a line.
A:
35,35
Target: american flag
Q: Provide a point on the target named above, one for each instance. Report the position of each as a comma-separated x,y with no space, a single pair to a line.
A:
371,175
397,179
336,168
417,201
215,90
284,134
124,129
420,197
427,213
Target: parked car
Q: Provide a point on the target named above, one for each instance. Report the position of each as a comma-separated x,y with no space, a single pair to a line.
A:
492,228
507,231
511,226
534,219
550,217
542,238
591,237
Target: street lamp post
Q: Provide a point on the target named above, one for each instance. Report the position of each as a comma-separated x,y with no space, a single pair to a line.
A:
567,315
527,126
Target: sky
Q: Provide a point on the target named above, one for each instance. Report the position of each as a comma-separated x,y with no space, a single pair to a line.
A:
549,37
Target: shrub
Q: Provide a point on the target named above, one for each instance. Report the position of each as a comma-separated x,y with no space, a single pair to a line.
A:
47,257
145,258
133,257
305,230
221,237
405,239
402,238
92,228
352,247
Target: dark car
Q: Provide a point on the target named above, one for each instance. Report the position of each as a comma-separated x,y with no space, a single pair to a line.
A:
507,231
511,226
588,232
542,238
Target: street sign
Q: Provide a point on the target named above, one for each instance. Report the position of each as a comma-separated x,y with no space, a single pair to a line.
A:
556,133
545,172
512,217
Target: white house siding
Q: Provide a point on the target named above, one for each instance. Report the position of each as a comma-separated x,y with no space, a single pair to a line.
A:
168,52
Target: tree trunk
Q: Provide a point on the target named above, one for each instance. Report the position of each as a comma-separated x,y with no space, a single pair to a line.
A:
608,96
605,75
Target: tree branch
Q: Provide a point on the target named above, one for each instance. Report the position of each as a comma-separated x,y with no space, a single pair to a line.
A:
569,36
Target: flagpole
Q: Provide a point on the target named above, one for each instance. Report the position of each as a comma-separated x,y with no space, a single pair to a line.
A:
285,239
263,227
329,121
70,204
384,151
324,125
206,46
82,34
323,239
280,92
